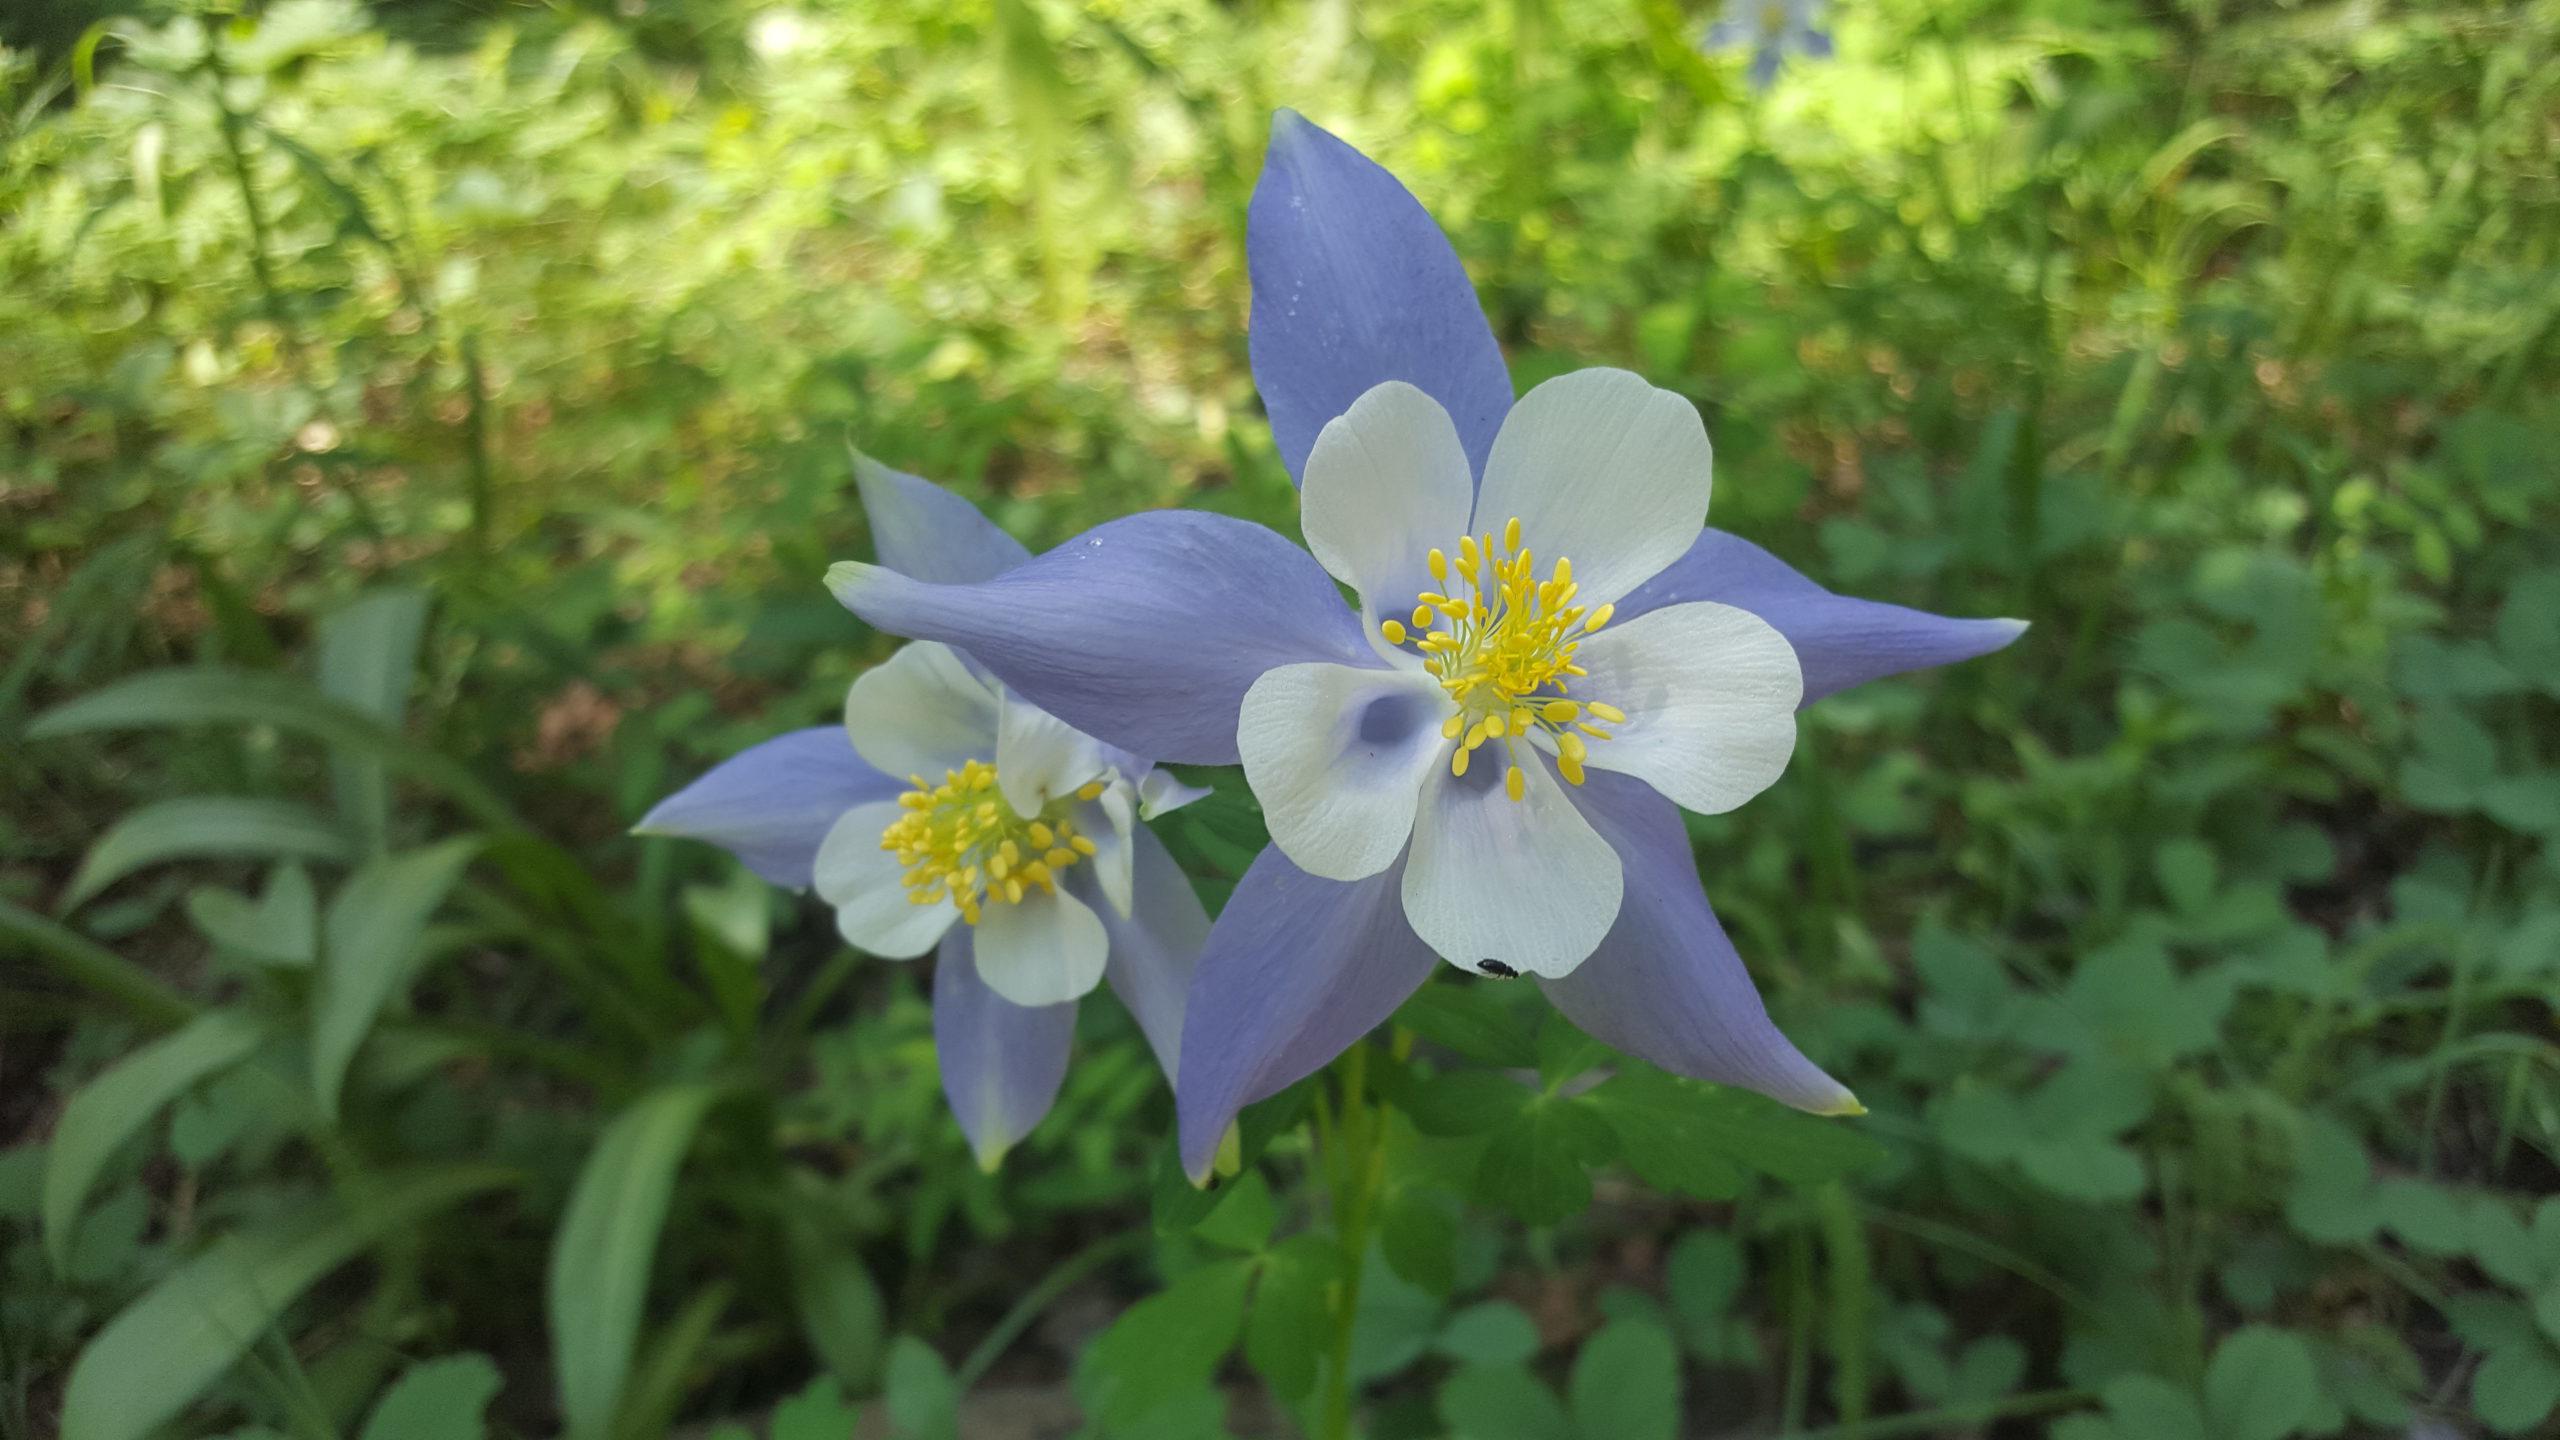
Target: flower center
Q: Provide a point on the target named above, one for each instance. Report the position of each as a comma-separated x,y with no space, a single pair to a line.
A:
962,841
1501,641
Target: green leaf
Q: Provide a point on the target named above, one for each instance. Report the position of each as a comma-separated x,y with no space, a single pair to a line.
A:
1463,1102
1165,1345
281,927
369,949
1418,1235
1288,1328
2514,1390
1704,1273
1626,1384
1473,1019
608,1237
2427,1216
1501,1402
819,1412
368,656
2187,872
1538,1168
918,1392
1244,1217
2331,1199
1495,1332
161,1351
110,1109
2261,1385
204,827
442,1399
1670,1126
204,695
839,1305
2146,1407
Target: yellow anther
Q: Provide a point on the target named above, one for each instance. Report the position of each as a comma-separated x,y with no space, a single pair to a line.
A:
961,841
1571,746
1608,712
1394,631
1594,731
1514,783
1503,643
1091,790
1570,768
1458,760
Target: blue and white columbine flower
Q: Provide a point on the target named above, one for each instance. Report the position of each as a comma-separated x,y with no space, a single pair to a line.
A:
1487,761
1770,29
946,812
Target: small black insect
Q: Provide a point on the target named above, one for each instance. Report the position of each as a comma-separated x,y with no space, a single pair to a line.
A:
1497,970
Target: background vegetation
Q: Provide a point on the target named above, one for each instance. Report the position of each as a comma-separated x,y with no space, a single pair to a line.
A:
426,427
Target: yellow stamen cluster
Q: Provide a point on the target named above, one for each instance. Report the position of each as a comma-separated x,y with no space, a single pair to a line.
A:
962,841
1501,641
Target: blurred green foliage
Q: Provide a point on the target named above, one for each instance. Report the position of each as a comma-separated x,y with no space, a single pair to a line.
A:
425,429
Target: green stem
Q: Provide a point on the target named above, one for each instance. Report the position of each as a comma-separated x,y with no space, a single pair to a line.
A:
1036,1300
1356,1162
84,961
1800,1324
1950,1418
261,266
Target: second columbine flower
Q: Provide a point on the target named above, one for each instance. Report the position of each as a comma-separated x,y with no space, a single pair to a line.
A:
1498,676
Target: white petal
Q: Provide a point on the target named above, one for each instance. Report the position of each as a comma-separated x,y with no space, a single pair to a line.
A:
1386,482
1108,821
1046,950
1710,693
920,712
1160,793
1040,757
1336,755
1526,883
1602,469
862,882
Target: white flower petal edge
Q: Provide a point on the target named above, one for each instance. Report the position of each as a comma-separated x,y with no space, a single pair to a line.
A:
1161,794
1605,470
1710,695
920,712
1338,755
1046,950
863,883
1115,855
1386,481
1526,882
1040,757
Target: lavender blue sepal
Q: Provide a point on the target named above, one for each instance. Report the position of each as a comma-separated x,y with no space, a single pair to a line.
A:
1144,632
1354,285
1297,970
1001,1062
771,804
920,529
1666,985
1840,640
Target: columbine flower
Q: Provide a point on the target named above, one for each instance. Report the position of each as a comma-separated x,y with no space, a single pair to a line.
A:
948,812
1557,838
1769,29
